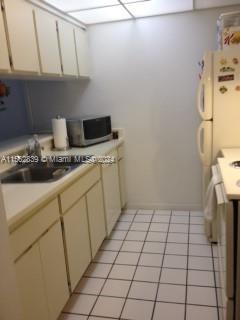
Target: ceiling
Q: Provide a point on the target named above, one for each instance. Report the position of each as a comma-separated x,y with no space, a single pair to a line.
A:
99,11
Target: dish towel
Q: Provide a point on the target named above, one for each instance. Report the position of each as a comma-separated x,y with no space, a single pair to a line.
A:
210,207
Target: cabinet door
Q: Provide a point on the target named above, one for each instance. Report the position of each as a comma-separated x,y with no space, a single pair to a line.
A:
67,48
96,217
31,285
77,241
111,193
122,181
21,34
47,42
82,52
4,57
54,270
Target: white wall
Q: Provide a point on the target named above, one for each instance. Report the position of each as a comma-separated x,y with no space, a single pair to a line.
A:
145,74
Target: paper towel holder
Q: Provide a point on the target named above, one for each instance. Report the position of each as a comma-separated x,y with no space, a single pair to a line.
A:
67,140
63,149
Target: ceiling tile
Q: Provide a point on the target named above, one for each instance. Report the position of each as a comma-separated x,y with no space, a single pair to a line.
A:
156,7
133,1
72,5
107,14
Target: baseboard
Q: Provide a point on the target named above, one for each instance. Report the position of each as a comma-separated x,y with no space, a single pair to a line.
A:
165,206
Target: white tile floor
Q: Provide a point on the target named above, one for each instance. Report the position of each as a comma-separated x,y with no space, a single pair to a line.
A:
156,265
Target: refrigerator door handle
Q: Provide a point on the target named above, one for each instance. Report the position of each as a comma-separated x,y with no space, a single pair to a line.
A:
205,90
200,142
204,142
200,98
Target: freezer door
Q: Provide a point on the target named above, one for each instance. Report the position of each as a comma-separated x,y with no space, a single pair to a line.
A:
204,142
205,89
226,110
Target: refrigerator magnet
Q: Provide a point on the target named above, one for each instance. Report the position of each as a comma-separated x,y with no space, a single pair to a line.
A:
235,61
227,77
227,69
223,89
223,61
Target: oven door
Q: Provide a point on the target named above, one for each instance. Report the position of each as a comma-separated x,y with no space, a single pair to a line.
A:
226,260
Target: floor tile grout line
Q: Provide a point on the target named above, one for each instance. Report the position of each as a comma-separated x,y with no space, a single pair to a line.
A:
155,242
112,265
186,291
168,302
138,299
125,299
145,281
160,274
167,254
135,269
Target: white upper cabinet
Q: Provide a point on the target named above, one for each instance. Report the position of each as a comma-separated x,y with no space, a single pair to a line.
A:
22,36
47,37
67,48
82,52
4,57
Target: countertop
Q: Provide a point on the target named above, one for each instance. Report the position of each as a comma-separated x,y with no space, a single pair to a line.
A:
16,145
232,153
21,199
230,175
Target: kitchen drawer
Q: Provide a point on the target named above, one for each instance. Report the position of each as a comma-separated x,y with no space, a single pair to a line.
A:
23,237
120,152
79,188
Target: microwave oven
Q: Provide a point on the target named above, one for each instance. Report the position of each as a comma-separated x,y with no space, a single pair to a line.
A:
89,130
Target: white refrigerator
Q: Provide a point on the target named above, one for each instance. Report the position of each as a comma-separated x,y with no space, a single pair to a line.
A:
218,103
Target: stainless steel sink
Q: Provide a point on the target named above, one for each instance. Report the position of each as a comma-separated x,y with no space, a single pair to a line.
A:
36,174
49,170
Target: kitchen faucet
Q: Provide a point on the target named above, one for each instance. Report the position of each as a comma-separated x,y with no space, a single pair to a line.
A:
33,147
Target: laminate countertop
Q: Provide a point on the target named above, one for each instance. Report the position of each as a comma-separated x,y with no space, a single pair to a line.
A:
22,198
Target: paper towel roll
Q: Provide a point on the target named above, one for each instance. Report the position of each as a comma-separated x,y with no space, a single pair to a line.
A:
60,133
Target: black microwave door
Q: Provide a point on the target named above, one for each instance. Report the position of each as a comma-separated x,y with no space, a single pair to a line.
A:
97,128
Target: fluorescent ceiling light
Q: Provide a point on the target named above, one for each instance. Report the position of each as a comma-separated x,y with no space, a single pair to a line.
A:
97,11
73,5
202,4
130,1
106,14
156,7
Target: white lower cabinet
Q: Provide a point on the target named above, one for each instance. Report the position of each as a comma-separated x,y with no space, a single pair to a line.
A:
121,170
31,285
96,217
54,270
77,241
122,182
111,189
42,277
45,260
